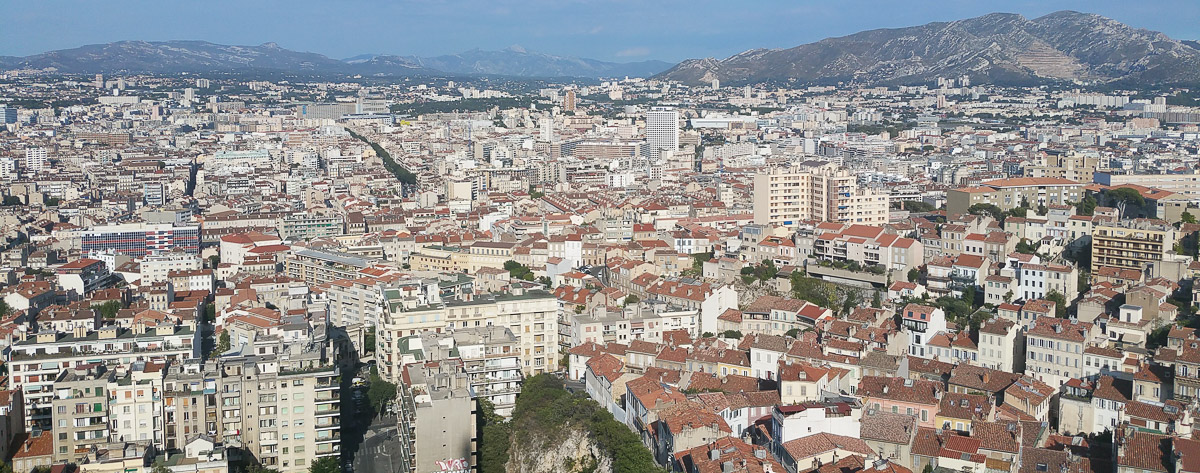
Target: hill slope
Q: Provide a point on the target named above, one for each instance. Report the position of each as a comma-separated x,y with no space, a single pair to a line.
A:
172,57
998,48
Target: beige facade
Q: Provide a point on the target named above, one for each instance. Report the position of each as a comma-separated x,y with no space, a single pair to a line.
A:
1010,193
1131,244
815,190
531,315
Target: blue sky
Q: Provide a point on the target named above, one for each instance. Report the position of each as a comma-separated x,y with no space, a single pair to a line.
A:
617,30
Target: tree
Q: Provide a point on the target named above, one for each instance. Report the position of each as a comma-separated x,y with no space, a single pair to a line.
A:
988,209
914,275
4,309
369,340
214,261
1087,206
876,301
630,300
380,392
792,333
159,467
1060,303
1187,217
1124,196
223,343
1042,210
108,310
325,465
734,334
1024,247
11,200
210,312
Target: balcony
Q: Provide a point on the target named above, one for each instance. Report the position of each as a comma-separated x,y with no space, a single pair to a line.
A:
327,422
337,436
328,396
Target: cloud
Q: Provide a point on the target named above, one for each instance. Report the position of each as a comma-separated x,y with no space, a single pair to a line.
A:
596,29
635,51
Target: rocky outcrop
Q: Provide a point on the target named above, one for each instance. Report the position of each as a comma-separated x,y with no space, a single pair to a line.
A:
571,450
996,48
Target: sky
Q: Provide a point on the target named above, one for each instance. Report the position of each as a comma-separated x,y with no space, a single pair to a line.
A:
612,30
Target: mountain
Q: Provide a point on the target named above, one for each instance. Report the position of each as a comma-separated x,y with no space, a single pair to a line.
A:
516,61
170,57
996,48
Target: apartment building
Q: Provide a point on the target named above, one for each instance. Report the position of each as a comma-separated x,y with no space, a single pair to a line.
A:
867,245
80,407
1055,349
306,226
815,190
489,357
1010,193
136,403
532,315
1072,167
1131,244
156,268
36,362
320,267
1186,184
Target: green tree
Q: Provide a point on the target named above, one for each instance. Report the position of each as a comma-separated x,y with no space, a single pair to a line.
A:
914,275
987,209
223,343
734,334
1187,217
108,310
4,309
630,300
380,392
159,467
11,200
1060,303
325,465
494,438
1024,247
819,292
1087,206
876,301
214,261
1123,197
210,312
1042,210
792,333
369,340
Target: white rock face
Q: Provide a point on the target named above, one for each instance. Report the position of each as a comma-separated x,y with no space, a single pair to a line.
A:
572,452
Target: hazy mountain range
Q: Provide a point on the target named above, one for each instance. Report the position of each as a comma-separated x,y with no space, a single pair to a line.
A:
997,48
169,57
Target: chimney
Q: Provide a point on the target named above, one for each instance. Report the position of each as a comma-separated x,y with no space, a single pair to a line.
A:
714,454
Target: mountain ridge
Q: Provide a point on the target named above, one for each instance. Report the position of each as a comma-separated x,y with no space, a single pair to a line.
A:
995,48
196,56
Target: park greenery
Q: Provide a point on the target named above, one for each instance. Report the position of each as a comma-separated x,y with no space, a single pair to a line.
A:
402,174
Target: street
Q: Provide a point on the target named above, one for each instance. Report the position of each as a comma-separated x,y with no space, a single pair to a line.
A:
379,444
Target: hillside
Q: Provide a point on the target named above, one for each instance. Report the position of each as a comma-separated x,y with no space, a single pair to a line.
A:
552,430
172,57
996,48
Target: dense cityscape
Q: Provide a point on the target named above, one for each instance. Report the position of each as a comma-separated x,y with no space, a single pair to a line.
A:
224,272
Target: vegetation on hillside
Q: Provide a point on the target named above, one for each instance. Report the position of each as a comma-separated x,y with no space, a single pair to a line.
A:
544,410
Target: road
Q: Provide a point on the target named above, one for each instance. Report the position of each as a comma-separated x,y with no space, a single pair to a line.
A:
379,443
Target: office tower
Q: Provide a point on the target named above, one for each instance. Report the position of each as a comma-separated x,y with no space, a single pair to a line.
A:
141,239
662,130
154,194
716,84
547,129
8,169
569,101
8,114
35,159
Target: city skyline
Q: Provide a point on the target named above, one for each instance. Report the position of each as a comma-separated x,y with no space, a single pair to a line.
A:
631,32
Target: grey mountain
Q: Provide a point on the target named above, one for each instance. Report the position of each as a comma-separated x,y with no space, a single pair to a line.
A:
168,57
996,48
